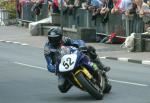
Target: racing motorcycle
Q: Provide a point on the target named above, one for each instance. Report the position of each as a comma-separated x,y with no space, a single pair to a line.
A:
76,66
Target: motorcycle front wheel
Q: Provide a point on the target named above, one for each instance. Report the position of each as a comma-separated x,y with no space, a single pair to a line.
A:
90,87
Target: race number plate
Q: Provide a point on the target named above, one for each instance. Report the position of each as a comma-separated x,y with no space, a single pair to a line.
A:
67,62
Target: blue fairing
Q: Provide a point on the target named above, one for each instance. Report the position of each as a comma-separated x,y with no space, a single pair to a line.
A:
78,43
83,60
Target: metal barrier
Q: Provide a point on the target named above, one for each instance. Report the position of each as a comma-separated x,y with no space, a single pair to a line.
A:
27,15
118,23
82,18
134,24
3,17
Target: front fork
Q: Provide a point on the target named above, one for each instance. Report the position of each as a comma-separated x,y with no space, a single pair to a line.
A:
85,72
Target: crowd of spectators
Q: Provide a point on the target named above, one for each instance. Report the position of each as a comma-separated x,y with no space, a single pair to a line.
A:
99,8
127,7
36,6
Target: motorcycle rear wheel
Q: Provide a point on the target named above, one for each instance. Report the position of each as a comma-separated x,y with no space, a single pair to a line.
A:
108,85
107,88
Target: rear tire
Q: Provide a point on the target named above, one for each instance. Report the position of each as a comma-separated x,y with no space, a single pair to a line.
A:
107,88
89,86
107,85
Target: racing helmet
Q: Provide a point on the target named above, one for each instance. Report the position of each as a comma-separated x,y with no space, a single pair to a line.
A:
55,36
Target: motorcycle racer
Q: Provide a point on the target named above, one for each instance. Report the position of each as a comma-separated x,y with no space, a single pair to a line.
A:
52,51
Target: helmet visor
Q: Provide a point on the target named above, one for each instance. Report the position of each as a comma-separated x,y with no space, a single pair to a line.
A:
55,40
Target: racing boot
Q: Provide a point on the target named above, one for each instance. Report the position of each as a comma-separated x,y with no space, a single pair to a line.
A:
91,52
100,65
97,75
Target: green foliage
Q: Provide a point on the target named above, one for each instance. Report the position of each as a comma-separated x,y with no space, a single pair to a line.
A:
10,7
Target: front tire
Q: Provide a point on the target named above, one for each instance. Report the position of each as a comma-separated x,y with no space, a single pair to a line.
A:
89,86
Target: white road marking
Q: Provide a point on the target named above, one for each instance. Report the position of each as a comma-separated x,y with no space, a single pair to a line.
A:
16,42
102,57
2,40
117,81
8,41
131,83
123,59
30,65
24,44
146,62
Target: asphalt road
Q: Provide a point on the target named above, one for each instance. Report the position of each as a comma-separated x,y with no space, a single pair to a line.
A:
24,79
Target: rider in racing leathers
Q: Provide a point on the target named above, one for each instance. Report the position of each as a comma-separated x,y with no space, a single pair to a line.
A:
52,53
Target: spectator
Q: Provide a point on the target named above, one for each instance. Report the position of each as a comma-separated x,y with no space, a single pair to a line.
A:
97,3
18,9
37,6
144,12
125,5
94,6
145,1
99,8
71,5
49,5
116,8
104,11
131,11
37,1
91,4
142,8
55,6
148,2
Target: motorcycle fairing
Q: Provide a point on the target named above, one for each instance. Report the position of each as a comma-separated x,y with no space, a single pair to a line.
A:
86,74
67,63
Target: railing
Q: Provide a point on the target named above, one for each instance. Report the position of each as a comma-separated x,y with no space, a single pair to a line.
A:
123,26
7,12
28,15
3,16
